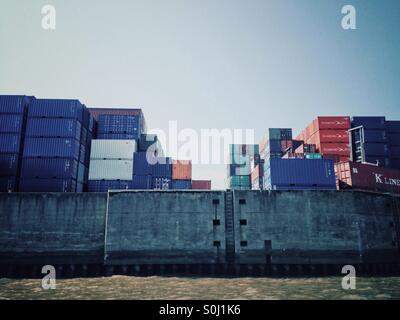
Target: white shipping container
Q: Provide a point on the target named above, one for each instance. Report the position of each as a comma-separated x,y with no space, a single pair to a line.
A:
113,149
111,170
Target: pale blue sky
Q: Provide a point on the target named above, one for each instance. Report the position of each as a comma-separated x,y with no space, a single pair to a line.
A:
208,63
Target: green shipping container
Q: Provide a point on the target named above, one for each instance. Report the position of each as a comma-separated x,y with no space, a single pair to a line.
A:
239,181
313,156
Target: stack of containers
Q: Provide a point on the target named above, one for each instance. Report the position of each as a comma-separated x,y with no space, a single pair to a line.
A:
13,111
239,165
182,174
369,141
201,184
393,132
119,123
257,172
330,135
111,164
275,143
55,147
299,174
150,143
162,173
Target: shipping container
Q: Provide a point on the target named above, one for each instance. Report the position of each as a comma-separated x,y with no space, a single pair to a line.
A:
376,149
329,123
113,149
395,163
369,122
201,184
341,149
51,148
395,152
9,164
11,123
392,126
56,108
394,139
53,127
335,136
142,182
49,168
142,163
312,156
163,168
106,185
306,148
14,104
298,172
380,161
49,185
181,184
161,183
239,181
111,170
10,142
119,124
116,136
182,170
367,177
148,140
8,184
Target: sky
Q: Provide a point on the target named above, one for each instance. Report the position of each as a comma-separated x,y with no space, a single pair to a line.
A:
208,64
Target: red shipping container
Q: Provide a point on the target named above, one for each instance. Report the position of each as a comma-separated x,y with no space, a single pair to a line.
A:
182,170
340,149
338,136
201,184
367,177
331,123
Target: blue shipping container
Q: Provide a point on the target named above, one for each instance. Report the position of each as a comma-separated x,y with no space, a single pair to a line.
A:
48,185
8,164
395,152
11,123
394,139
142,182
49,168
369,122
105,185
393,126
56,108
14,104
51,147
381,161
181,184
375,136
395,163
119,124
140,164
376,149
300,172
117,136
162,183
10,143
39,127
163,168
8,184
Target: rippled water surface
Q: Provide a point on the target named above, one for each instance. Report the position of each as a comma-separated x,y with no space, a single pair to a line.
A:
122,287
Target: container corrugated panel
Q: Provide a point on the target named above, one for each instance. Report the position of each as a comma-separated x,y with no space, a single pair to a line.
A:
340,149
53,127
81,173
105,185
369,122
10,143
111,170
201,184
162,183
49,168
11,123
181,184
119,124
395,152
14,104
238,170
393,126
336,136
142,182
48,185
8,184
56,108
182,170
141,165
51,147
239,159
368,177
163,168
302,172
82,154
395,163
113,149
117,136
96,112
330,123
375,136
239,181
376,149
9,164
394,139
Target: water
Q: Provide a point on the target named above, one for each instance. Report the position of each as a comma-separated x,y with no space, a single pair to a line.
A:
123,287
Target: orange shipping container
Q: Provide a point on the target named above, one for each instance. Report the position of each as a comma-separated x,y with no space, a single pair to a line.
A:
182,170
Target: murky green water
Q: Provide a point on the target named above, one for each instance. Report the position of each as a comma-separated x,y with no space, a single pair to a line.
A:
122,287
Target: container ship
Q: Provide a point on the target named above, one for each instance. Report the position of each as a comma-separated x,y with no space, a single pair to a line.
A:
88,191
